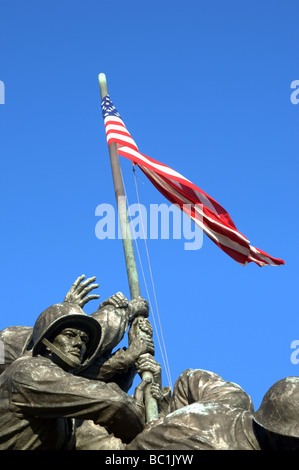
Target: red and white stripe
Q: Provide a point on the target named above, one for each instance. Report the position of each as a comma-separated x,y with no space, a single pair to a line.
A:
204,210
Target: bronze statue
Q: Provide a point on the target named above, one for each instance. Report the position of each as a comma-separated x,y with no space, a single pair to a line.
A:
206,412
63,387
115,315
43,397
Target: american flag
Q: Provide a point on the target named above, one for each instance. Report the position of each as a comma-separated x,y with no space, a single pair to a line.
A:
210,216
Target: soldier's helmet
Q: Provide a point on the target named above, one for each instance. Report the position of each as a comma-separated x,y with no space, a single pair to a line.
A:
59,316
277,419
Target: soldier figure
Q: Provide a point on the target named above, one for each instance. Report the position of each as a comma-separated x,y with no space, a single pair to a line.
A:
43,396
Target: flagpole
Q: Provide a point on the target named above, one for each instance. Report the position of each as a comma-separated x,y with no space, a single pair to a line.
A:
151,406
122,209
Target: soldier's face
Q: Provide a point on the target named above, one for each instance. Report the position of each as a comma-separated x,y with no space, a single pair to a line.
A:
72,342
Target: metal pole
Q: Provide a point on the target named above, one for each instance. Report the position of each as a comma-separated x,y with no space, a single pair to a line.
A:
151,406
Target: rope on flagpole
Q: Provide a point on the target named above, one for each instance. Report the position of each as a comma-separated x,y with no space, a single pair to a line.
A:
165,359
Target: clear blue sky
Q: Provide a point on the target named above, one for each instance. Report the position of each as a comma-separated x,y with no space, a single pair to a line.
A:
203,87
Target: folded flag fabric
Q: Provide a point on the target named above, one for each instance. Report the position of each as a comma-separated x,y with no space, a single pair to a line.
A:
210,216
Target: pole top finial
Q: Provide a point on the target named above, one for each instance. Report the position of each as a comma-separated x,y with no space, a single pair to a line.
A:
103,85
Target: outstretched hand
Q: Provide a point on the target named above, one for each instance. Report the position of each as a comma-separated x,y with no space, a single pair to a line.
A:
79,290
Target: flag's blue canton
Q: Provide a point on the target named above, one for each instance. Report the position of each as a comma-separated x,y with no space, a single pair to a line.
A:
108,108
